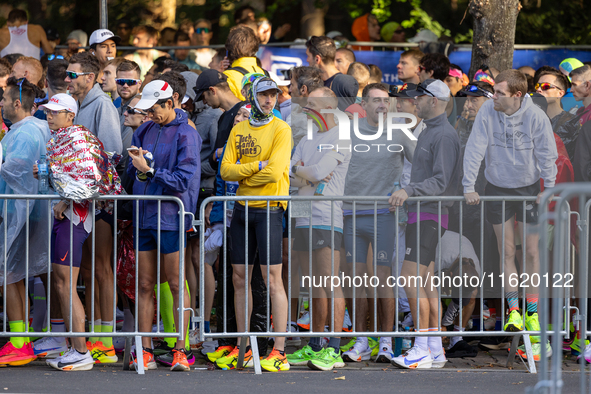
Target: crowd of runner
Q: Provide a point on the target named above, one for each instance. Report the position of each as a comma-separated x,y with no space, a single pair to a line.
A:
196,123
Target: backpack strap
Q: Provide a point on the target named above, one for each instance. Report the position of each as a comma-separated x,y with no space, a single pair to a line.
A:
244,71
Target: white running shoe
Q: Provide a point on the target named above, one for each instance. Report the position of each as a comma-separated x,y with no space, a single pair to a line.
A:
304,321
359,352
119,344
385,354
415,358
73,361
586,354
209,347
438,360
53,362
50,347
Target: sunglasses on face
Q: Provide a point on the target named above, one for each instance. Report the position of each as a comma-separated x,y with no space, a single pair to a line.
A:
545,86
152,110
134,111
129,82
422,68
399,31
474,89
53,113
73,75
200,30
52,56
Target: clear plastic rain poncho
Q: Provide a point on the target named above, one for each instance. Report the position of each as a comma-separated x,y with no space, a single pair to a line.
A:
21,147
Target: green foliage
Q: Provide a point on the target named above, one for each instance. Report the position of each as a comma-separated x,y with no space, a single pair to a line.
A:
558,22
555,22
464,38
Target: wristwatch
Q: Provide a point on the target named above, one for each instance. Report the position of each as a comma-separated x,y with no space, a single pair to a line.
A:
150,173
294,170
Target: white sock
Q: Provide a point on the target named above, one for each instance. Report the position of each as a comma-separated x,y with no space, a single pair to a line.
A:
455,340
58,325
435,344
422,342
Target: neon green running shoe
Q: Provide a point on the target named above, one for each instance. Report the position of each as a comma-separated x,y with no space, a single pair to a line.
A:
348,345
515,322
575,347
533,324
536,350
302,356
373,345
327,360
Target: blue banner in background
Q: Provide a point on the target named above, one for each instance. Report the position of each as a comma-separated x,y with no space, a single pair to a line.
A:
276,59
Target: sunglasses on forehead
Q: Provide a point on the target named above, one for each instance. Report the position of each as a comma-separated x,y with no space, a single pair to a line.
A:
20,88
129,82
475,89
52,56
425,90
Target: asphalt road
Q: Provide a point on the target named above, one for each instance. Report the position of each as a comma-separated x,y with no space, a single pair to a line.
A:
39,378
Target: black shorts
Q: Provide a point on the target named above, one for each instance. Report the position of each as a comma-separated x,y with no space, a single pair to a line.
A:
494,209
104,215
257,235
320,239
428,240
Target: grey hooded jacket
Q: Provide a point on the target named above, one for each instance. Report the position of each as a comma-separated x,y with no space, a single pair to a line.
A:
98,114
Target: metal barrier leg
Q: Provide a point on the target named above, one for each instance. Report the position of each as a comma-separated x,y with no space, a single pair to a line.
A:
255,355
240,362
531,364
139,352
530,354
127,354
513,350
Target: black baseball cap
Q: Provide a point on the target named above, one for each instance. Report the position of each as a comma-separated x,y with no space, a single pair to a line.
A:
478,89
207,79
403,89
52,34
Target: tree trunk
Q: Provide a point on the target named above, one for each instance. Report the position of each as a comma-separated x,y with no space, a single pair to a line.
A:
494,33
312,23
168,12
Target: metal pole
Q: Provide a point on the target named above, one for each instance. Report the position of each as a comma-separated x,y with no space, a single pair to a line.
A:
103,14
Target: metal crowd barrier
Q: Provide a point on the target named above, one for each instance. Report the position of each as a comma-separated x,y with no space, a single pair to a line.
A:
550,377
137,335
302,207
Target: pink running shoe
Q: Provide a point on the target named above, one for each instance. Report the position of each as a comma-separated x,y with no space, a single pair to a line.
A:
9,355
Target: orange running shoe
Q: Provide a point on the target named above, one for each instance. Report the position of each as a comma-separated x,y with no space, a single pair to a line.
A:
9,355
102,354
221,351
231,360
149,362
275,362
179,362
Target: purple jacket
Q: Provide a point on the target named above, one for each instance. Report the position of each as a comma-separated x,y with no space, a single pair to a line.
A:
176,149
